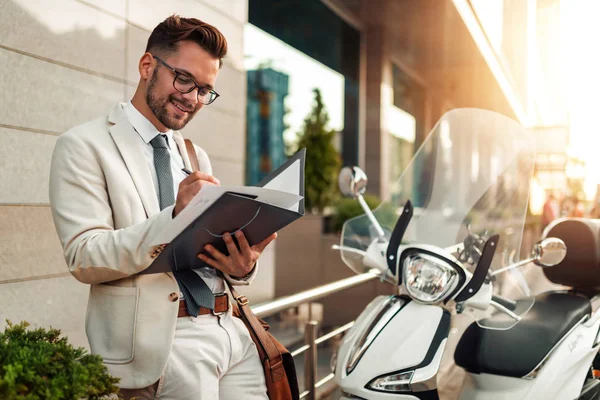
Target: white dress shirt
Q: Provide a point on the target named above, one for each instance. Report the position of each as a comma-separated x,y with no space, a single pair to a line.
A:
147,131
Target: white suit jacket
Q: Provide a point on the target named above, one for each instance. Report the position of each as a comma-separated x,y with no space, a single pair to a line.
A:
106,210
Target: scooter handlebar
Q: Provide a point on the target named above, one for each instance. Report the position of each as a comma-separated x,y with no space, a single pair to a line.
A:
349,249
507,303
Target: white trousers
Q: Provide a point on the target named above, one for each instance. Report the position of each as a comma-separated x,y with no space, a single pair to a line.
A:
213,358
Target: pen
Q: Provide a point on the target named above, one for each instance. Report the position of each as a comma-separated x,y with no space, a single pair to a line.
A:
187,171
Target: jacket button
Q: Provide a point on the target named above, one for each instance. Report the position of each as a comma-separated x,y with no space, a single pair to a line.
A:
173,297
157,250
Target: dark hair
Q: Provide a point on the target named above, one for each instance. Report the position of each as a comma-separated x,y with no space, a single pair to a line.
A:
166,36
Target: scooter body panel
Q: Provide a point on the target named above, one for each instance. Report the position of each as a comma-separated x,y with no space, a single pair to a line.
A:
383,396
412,339
560,377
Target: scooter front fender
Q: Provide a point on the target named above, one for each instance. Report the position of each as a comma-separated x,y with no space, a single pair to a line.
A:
393,335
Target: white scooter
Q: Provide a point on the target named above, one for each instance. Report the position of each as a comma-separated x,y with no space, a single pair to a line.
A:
469,182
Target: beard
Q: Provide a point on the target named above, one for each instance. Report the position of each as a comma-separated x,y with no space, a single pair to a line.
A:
158,105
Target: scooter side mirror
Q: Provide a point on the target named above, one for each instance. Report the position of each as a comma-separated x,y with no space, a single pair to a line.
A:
549,252
352,182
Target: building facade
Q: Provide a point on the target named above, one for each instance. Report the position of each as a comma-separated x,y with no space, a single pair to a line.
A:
265,145
63,63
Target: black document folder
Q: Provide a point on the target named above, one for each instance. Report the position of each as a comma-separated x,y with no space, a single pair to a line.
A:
231,212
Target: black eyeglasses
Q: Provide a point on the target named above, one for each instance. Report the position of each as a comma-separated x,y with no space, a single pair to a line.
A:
185,84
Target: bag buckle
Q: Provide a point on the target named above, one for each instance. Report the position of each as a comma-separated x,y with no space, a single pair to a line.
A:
242,300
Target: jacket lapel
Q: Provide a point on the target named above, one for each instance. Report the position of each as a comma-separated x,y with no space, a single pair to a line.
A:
132,152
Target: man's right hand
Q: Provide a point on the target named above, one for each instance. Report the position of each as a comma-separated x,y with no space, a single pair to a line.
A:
190,186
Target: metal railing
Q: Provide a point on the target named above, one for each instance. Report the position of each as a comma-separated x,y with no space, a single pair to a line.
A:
311,341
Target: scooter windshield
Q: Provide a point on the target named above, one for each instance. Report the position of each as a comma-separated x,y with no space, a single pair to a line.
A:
468,181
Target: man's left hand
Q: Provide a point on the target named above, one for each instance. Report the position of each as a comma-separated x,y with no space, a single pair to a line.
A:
240,261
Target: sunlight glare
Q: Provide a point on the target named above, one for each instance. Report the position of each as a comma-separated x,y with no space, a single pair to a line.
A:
581,68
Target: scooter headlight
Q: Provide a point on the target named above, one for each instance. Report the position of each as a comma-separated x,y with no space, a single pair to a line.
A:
393,383
428,279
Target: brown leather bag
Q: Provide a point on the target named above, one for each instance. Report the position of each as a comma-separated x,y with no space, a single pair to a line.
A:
277,362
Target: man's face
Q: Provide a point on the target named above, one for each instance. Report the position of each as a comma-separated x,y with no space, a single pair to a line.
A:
172,108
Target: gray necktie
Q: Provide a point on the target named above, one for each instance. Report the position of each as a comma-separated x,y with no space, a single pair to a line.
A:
192,286
162,164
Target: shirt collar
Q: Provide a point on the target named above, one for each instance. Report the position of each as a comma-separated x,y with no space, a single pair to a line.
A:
142,125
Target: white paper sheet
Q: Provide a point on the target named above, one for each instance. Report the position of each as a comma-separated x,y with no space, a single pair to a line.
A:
287,181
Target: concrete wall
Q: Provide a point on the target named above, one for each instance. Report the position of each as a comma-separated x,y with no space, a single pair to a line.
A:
62,63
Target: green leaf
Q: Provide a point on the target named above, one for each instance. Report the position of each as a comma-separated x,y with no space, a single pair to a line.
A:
40,364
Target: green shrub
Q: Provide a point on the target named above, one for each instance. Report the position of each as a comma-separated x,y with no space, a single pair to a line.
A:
346,208
39,364
322,163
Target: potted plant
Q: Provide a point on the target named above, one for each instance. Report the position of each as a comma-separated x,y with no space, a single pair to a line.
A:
40,364
322,159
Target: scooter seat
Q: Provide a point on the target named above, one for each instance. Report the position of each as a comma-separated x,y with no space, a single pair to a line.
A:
519,350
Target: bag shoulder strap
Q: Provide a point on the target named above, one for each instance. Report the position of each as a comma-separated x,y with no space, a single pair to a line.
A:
271,352
189,146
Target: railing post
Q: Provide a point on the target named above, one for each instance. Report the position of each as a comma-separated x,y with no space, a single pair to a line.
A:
310,361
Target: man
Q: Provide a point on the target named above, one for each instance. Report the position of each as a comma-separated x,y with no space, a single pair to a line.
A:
114,183
550,211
